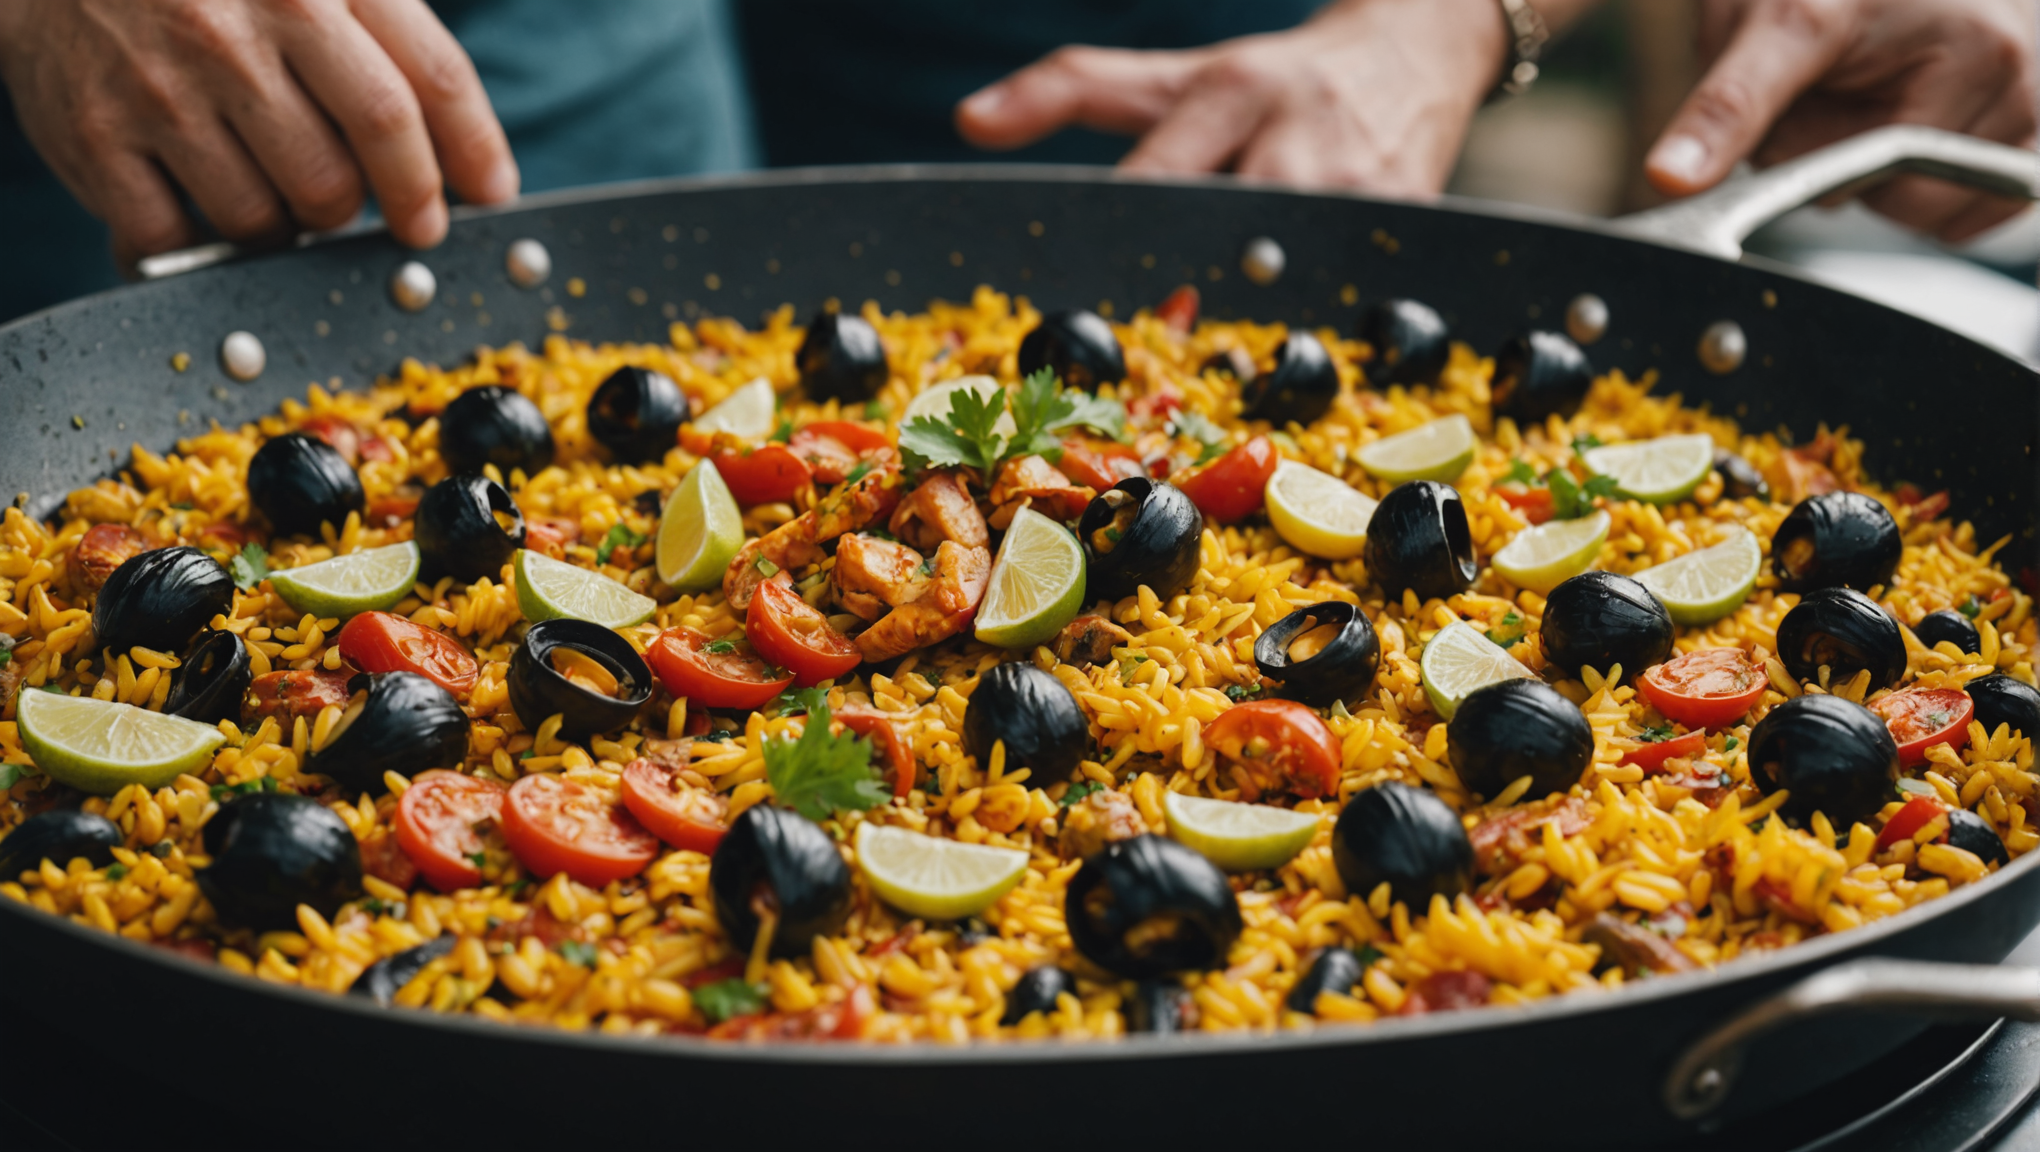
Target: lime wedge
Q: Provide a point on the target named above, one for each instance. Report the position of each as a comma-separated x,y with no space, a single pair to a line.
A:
549,589
101,746
1439,450
747,412
1704,585
1318,513
699,532
936,399
1461,660
1037,584
1238,837
934,878
366,581
1542,555
1656,471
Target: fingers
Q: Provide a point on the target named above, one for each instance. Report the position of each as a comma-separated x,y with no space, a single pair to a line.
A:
139,207
1213,122
472,148
296,147
1779,50
232,192
1106,89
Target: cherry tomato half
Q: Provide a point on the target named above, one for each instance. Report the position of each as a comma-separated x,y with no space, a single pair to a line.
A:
555,825
767,474
1906,823
1179,309
832,448
1230,488
714,674
675,811
786,630
1651,757
1704,689
1283,746
386,642
1923,717
438,825
1533,503
885,736
1097,464
290,694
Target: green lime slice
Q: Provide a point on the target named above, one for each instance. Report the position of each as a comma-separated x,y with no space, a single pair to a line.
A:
370,580
1238,837
1656,471
699,532
1037,584
549,589
932,877
1439,450
936,398
1318,513
1461,660
747,412
1542,555
101,746
1705,585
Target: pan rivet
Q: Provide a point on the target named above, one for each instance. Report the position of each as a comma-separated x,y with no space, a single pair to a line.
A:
1586,318
412,286
241,354
1262,260
529,263
1722,347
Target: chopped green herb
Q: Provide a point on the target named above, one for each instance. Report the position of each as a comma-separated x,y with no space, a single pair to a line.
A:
1521,473
53,690
783,433
116,871
927,567
1570,499
767,567
371,905
250,566
1730,743
182,506
9,775
161,849
1238,692
1655,735
245,787
478,859
1584,441
873,410
718,647
1079,790
822,773
578,952
1114,535
6,655
1508,632
1368,954
1971,607
1127,665
862,470
726,999
619,536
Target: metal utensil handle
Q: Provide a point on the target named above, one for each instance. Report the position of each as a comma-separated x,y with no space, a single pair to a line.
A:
1701,1078
1718,220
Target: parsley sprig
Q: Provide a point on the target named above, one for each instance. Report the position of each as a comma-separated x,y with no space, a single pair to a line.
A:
1040,410
619,536
1570,499
727,999
821,773
250,566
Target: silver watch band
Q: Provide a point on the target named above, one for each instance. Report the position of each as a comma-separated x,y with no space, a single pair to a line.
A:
1527,38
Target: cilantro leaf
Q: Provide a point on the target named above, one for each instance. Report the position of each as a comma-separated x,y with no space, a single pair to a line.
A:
1729,744
1079,790
729,998
1598,486
1520,472
250,566
719,647
783,433
822,772
1238,692
1368,954
1570,499
967,440
1656,734
619,536
1039,409
1105,417
1971,607
1584,441
1199,427
578,952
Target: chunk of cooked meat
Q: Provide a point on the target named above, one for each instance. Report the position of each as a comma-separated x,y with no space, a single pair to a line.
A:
797,543
103,548
872,575
1089,640
1500,842
1032,481
945,608
940,509
1097,820
1446,992
1632,948
291,694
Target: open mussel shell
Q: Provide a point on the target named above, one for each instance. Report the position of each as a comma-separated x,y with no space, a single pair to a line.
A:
1033,714
406,724
1835,540
272,851
1539,374
460,528
1419,539
841,358
1148,906
300,482
637,414
1410,340
1139,531
1405,837
59,836
1301,386
496,425
211,678
160,599
785,862
539,690
1342,668
1833,756
1846,632
1518,728
1078,346
1601,619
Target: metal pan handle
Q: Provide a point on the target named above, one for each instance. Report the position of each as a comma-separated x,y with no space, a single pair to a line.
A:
1701,1078
1718,220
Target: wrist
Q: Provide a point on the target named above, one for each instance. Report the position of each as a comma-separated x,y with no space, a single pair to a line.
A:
1467,40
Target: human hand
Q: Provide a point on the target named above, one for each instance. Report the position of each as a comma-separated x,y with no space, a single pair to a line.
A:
1789,76
271,115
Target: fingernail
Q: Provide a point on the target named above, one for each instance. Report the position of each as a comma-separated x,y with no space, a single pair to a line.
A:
501,183
1680,157
985,101
429,225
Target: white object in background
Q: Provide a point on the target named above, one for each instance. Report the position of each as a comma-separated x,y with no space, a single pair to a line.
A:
1984,305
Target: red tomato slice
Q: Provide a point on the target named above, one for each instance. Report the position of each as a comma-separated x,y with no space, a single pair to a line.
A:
1923,717
833,448
439,824
767,474
711,675
678,813
1907,821
1533,503
1098,465
1704,689
791,633
1283,746
1179,309
1230,488
891,743
555,825
386,642
1651,757
290,694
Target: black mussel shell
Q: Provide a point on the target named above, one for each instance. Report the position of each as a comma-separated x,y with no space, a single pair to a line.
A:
1845,630
59,836
1160,1007
457,531
1233,362
1740,478
1159,531
786,860
1538,374
1036,992
160,600
1036,716
496,425
1841,538
1999,700
300,482
1949,625
1974,834
1519,728
637,414
1407,837
1300,388
1600,619
381,980
1341,670
1411,344
1833,756
1078,346
841,358
211,677
407,725
272,851
537,690
1334,970
1148,906
1419,540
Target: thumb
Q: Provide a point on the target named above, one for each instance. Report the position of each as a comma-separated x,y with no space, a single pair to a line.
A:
1777,53
1108,89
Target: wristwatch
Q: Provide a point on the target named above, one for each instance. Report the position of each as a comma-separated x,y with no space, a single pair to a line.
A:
1527,38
